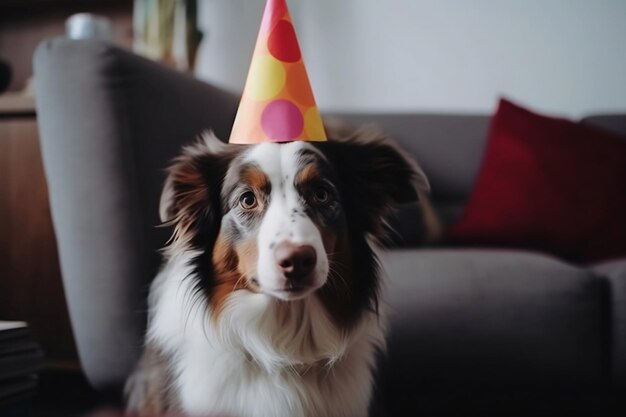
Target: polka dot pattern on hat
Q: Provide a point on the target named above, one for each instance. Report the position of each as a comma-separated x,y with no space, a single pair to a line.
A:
277,104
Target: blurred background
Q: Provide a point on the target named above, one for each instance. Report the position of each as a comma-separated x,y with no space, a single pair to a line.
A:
417,55
25,23
563,57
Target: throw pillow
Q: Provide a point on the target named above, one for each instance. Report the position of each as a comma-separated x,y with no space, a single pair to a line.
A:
548,184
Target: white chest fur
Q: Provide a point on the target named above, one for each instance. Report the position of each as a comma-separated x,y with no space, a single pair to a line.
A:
262,357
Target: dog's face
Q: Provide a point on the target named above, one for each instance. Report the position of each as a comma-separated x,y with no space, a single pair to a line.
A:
281,215
287,220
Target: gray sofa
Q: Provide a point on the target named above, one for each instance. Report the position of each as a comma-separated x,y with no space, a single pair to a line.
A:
472,329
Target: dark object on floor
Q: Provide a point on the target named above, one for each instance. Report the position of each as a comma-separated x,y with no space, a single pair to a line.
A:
20,361
5,75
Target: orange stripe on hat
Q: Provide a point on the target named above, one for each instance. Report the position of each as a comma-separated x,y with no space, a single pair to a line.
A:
277,104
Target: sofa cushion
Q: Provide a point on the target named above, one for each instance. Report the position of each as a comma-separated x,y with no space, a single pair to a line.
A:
497,317
548,184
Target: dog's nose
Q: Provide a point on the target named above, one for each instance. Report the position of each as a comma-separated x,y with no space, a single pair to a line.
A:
295,261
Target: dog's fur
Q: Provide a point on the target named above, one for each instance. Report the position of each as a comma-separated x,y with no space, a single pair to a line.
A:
228,334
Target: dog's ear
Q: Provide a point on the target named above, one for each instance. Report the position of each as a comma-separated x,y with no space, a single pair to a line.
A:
376,176
190,200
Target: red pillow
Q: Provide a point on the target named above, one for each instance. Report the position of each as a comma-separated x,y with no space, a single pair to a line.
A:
548,184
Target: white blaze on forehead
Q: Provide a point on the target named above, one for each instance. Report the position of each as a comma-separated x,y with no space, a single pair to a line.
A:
284,219
278,160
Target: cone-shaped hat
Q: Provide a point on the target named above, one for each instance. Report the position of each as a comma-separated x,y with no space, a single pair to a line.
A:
277,103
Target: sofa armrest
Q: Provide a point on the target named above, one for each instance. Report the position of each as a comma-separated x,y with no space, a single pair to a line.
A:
109,123
615,273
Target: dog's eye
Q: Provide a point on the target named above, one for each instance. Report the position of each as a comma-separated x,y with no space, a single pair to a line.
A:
247,201
321,195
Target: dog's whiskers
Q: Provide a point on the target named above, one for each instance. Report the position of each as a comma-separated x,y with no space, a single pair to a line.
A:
241,277
335,273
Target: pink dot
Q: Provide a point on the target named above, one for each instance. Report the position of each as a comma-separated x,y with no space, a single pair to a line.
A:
282,121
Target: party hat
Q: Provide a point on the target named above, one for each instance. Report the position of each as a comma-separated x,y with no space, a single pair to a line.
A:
277,104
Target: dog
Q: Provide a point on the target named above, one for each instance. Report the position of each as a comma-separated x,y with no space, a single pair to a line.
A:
267,303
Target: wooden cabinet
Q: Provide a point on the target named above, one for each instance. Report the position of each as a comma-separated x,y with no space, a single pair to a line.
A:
30,279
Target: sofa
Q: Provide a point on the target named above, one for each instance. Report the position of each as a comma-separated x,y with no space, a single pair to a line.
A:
487,330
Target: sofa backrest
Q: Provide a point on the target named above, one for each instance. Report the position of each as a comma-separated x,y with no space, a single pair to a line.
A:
615,123
449,148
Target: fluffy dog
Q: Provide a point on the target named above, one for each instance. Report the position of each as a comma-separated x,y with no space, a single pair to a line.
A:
267,304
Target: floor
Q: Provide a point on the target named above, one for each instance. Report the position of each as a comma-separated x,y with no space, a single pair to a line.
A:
64,393
68,394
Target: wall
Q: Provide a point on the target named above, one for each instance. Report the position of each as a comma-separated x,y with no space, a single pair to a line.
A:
562,56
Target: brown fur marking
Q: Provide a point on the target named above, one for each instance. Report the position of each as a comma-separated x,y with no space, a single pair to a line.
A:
247,253
255,178
233,268
307,174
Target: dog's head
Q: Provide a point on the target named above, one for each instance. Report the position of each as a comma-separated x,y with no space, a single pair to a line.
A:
288,220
